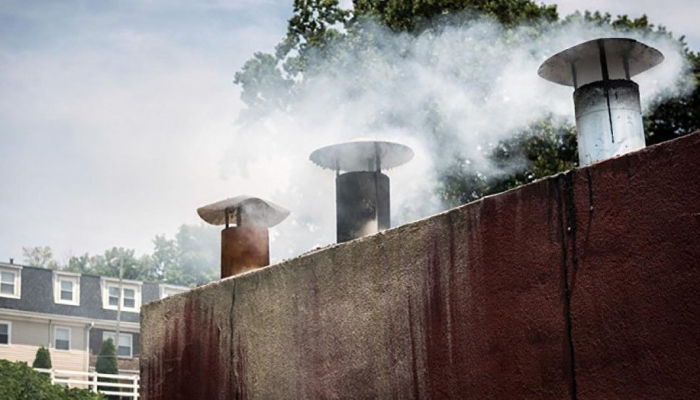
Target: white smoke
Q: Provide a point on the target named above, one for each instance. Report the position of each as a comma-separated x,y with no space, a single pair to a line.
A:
481,80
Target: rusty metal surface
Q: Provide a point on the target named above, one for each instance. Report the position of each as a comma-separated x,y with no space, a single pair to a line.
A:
244,248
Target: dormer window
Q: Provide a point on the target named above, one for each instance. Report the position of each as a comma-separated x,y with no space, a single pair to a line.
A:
10,281
114,296
129,298
66,288
130,294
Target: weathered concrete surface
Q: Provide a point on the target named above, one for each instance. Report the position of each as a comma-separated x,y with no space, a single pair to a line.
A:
584,285
635,272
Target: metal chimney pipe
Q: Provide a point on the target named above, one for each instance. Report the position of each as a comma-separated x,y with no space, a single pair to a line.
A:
245,246
606,101
362,201
363,192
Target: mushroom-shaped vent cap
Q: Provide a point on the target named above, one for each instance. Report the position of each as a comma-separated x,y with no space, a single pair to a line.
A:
362,155
627,56
255,211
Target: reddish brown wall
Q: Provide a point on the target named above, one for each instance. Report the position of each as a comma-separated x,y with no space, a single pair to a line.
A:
584,285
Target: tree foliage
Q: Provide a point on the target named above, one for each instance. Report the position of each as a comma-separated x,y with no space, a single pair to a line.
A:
42,358
416,15
39,256
20,382
190,258
270,81
106,363
198,252
542,149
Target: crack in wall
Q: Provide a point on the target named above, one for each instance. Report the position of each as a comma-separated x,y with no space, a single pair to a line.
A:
567,229
233,375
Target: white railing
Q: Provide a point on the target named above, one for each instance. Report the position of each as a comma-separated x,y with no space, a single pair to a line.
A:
90,380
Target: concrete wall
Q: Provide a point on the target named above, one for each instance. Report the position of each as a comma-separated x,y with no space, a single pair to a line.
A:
585,285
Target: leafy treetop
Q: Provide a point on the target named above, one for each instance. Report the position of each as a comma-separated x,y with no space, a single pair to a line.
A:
190,258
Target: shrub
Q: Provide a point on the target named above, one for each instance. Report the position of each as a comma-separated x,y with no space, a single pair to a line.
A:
107,364
42,359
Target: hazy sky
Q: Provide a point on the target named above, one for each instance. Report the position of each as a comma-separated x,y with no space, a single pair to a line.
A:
115,116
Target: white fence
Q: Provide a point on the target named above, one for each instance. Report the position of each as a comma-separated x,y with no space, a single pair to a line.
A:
126,386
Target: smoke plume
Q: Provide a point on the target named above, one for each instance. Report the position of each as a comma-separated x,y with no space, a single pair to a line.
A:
478,81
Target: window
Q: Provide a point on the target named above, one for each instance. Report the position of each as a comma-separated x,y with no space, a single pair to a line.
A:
7,285
125,348
129,298
66,288
169,290
130,294
10,281
5,330
113,296
62,338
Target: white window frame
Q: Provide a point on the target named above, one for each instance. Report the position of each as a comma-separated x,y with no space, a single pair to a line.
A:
17,271
9,333
126,284
58,277
55,337
112,335
169,290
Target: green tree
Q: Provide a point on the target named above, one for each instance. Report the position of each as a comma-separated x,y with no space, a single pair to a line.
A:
165,257
189,259
39,256
109,263
106,363
42,359
80,264
268,81
542,149
20,382
412,16
198,256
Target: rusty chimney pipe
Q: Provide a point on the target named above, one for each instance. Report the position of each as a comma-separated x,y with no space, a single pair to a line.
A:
606,100
362,192
245,246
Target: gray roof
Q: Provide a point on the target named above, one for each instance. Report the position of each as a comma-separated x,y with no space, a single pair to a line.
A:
37,295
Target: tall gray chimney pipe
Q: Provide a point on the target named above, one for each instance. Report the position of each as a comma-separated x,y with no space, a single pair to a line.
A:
606,101
362,193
